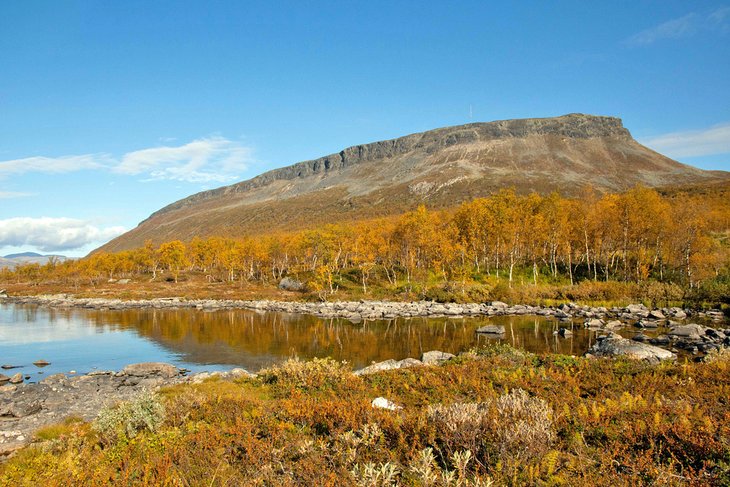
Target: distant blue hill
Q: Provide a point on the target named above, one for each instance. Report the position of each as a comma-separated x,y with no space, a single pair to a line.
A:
24,254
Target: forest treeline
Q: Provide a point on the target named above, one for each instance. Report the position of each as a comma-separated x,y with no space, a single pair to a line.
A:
635,236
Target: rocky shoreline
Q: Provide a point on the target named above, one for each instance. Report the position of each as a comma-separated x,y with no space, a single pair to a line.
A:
357,311
27,407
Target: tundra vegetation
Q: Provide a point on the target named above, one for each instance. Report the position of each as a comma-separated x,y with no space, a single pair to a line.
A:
493,416
641,244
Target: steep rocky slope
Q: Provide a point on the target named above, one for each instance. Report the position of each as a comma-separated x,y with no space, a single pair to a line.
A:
439,168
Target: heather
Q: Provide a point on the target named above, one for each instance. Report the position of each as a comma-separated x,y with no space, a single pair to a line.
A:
494,416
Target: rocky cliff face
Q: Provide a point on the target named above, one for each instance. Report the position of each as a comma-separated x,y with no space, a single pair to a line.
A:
577,126
440,168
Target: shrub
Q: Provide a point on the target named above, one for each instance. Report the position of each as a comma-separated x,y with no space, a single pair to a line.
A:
461,426
371,475
318,373
526,425
515,426
125,420
719,357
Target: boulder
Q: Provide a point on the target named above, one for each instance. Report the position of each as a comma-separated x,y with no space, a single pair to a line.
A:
491,329
145,369
657,315
17,378
637,309
389,364
41,363
563,332
614,325
660,340
4,379
615,346
640,337
678,313
498,304
435,357
689,331
594,323
289,284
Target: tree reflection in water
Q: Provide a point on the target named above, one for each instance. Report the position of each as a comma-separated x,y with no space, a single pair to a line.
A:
254,340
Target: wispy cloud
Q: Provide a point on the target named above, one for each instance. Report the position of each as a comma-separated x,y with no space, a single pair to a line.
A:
692,143
53,165
211,159
53,234
685,26
5,195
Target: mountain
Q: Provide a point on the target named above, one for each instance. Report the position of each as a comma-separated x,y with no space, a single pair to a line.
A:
439,168
23,254
14,260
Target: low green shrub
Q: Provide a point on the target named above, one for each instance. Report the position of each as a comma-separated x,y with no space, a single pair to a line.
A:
126,420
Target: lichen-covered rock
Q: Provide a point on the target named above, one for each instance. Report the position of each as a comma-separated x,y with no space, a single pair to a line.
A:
690,331
435,357
389,364
151,368
617,346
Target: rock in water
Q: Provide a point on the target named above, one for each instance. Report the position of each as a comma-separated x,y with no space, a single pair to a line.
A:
41,363
689,331
563,332
17,378
615,346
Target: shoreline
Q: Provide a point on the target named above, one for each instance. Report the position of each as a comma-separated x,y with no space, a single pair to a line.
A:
357,311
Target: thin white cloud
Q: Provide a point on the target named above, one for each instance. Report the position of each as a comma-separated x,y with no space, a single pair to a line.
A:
685,26
692,143
212,159
53,234
53,165
4,195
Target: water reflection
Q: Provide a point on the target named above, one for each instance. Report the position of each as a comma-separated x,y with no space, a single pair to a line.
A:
209,340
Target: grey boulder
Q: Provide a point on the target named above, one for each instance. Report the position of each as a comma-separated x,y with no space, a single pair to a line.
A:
435,357
145,369
617,346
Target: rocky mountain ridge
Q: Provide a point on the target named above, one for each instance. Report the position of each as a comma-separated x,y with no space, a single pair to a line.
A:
440,168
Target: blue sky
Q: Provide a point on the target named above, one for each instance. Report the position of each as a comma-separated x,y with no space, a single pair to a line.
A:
111,110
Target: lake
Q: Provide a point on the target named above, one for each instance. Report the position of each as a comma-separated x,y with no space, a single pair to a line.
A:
84,340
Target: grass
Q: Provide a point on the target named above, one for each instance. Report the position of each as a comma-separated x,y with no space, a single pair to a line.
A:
496,416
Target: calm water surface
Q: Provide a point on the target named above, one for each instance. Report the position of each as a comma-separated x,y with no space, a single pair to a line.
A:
84,340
